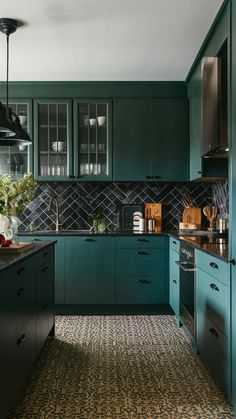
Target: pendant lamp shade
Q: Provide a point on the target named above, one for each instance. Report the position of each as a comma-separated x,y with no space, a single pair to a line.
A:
11,131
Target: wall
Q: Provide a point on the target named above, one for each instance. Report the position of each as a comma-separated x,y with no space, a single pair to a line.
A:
79,200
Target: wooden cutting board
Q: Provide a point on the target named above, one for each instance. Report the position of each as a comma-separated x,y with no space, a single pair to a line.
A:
192,215
154,211
16,248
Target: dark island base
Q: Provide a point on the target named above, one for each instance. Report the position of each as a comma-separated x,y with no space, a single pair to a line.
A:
109,309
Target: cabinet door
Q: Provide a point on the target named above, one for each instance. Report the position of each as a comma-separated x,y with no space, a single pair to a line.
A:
169,147
92,139
53,142
131,139
17,160
90,270
195,101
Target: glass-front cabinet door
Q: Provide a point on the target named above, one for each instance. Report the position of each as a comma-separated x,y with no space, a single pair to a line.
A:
17,160
92,139
53,145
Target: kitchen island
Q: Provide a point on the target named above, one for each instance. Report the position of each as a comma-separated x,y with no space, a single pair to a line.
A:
26,314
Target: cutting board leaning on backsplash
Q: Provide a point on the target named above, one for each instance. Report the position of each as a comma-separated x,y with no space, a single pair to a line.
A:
192,215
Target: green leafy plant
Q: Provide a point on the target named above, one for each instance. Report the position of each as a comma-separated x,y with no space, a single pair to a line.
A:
98,221
15,195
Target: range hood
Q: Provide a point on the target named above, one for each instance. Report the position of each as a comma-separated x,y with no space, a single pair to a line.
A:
214,106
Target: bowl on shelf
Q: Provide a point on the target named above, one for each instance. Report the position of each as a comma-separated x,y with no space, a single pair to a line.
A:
58,145
22,147
101,120
92,121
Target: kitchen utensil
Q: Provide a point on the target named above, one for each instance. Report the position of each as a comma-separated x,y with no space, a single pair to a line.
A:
151,225
187,200
210,212
222,224
154,211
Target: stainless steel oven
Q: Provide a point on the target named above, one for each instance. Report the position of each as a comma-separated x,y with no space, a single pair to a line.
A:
187,287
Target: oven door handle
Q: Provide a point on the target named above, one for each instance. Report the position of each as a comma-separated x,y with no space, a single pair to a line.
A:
182,264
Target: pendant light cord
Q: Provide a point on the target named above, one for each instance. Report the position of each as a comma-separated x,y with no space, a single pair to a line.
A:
7,66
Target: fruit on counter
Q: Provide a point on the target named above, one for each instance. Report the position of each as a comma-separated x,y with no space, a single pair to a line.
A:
6,243
2,238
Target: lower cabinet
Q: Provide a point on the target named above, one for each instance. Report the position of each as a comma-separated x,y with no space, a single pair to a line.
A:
90,270
213,316
23,329
141,270
174,275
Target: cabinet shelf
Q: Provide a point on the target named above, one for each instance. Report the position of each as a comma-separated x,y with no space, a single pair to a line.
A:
52,126
93,126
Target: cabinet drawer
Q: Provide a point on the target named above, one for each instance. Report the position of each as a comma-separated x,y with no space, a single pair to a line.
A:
45,255
174,244
213,297
140,241
214,266
214,349
141,290
147,262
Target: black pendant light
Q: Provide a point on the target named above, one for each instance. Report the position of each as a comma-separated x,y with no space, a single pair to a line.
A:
11,131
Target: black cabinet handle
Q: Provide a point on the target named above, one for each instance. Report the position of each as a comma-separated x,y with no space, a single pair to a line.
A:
19,291
213,332
214,265
19,272
71,176
199,172
174,280
174,242
143,281
233,261
157,177
149,177
89,240
20,340
77,177
214,287
44,306
45,254
142,240
45,268
142,253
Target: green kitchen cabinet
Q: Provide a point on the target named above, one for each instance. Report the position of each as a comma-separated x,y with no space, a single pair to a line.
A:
141,270
195,101
53,139
90,270
59,262
213,313
150,139
17,160
174,275
92,139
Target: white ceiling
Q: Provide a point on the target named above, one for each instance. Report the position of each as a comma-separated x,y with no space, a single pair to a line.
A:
105,39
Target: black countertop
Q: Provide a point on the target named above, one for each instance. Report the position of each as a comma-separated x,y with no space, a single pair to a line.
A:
8,259
216,246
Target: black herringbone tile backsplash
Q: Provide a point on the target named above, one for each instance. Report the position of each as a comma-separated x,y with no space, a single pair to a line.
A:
79,200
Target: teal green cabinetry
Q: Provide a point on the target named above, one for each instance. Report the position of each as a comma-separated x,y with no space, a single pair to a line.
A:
90,270
150,139
92,139
59,263
213,316
141,270
53,139
14,160
174,275
195,106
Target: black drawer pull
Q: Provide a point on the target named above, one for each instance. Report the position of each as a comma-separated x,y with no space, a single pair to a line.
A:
19,272
142,253
174,242
142,240
213,332
214,265
45,268
214,287
233,261
143,281
44,306
45,254
149,177
174,280
20,340
90,240
19,291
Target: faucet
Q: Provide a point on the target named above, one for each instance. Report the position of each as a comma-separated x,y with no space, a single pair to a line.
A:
58,221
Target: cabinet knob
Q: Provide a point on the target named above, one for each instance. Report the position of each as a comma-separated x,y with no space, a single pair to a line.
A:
199,172
213,332
45,268
157,177
44,306
214,265
19,291
233,261
143,281
20,340
21,270
71,176
45,254
149,177
174,280
214,287
174,242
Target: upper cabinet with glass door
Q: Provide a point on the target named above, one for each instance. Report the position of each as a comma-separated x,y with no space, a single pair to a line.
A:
17,160
92,139
53,145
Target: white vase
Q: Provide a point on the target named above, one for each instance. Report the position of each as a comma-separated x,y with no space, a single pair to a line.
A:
9,227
